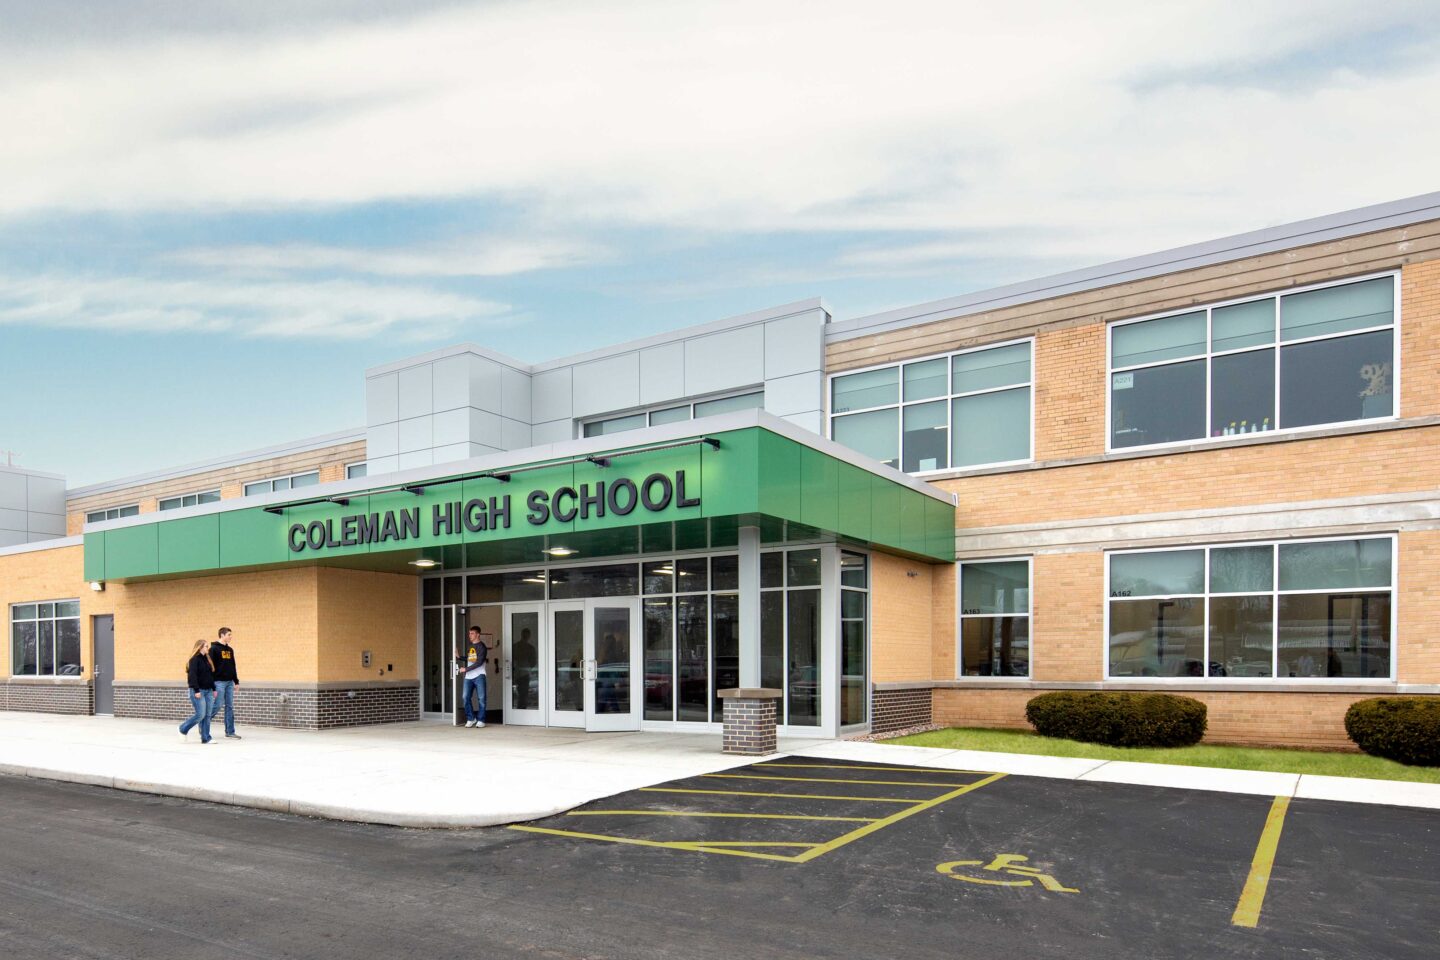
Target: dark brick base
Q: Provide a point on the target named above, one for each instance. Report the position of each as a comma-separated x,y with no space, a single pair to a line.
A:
749,726
898,709
279,707
69,697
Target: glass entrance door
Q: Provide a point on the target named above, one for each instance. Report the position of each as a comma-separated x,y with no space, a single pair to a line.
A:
522,678
594,664
440,692
612,664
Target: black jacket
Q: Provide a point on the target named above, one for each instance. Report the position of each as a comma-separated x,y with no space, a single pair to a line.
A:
199,673
222,656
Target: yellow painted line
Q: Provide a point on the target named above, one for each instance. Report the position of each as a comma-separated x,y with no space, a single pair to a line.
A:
821,849
791,796
742,843
681,845
691,813
851,766
1247,911
883,783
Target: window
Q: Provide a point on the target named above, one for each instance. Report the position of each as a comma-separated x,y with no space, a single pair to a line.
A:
1318,356
995,618
283,483
1316,609
112,513
190,500
354,471
45,639
962,410
854,606
673,414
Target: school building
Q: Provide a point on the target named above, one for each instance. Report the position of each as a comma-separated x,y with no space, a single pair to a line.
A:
1211,470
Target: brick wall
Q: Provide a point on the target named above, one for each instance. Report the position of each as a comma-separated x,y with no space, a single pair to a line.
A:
749,726
901,616
899,709
68,696
305,708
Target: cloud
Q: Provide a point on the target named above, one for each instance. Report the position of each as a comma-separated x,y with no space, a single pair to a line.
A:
490,257
337,309
1103,128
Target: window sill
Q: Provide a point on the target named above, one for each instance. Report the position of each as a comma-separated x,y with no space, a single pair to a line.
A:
1180,685
47,680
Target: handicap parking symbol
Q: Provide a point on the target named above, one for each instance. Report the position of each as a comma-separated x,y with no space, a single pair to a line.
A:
1004,865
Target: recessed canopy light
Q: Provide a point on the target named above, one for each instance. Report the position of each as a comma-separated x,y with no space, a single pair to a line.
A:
424,564
537,579
558,551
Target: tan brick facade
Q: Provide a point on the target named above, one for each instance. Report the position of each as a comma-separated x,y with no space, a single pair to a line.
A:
1073,480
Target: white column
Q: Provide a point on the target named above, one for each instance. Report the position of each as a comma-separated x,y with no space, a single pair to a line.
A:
750,606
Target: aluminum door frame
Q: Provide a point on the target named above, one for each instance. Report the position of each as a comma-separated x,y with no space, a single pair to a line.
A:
538,716
598,722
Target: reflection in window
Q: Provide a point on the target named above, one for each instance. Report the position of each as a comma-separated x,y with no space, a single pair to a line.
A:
1335,365
995,619
1249,621
963,410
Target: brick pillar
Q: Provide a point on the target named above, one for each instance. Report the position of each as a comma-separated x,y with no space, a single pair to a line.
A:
750,718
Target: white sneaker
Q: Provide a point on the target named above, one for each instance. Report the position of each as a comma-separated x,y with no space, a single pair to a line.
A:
469,723
479,723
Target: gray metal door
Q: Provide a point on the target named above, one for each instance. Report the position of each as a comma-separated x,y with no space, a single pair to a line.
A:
104,634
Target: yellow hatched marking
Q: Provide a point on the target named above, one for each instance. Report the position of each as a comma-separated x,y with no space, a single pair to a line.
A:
741,843
688,813
819,850
691,846
1247,910
883,783
792,796
851,766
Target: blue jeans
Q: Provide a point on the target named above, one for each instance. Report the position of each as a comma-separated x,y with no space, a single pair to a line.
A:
225,694
477,685
200,701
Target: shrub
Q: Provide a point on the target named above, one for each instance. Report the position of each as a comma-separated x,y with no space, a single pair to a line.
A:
1406,729
1118,719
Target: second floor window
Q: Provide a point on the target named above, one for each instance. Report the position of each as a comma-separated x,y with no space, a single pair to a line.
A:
112,513
673,414
190,500
283,483
1319,356
961,410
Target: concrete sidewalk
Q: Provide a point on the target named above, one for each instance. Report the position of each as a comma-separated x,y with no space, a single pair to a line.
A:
424,774
1398,793
431,774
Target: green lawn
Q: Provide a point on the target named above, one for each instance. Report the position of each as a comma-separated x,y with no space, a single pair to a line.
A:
1204,755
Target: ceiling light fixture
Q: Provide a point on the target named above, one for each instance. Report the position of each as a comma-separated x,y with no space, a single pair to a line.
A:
558,551
424,563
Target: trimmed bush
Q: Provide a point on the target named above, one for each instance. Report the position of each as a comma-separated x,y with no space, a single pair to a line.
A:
1406,729
1118,719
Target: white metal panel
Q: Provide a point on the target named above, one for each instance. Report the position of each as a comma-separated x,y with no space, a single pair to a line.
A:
514,395
13,494
382,399
725,361
794,344
375,466
603,385
801,393
450,426
812,420
50,524
12,538
485,429
45,494
416,458
382,440
662,373
514,435
487,384
555,431
11,519
415,384
550,395
416,433
450,382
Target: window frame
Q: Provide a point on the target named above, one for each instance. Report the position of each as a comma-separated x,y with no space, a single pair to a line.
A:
961,616
104,512
947,398
79,619
1275,593
245,487
1277,345
179,501
357,463
648,410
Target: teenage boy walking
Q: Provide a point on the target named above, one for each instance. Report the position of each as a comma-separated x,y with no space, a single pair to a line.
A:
473,663
222,655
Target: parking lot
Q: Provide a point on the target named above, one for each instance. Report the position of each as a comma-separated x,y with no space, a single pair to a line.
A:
789,858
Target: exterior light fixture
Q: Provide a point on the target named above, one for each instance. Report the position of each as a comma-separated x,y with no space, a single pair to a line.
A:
98,586
424,563
558,551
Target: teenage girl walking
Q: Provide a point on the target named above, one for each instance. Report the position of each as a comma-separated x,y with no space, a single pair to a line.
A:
200,677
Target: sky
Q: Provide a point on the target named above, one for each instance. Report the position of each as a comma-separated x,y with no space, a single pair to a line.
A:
214,216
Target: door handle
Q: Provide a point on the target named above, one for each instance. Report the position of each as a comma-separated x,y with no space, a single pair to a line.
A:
587,670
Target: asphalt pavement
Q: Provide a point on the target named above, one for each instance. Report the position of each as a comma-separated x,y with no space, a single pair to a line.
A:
791,858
